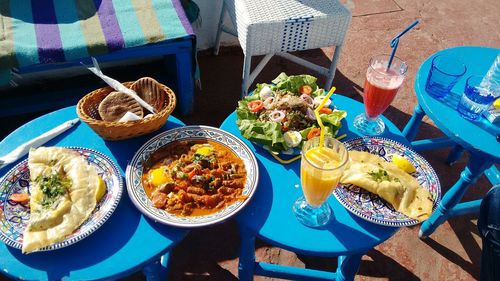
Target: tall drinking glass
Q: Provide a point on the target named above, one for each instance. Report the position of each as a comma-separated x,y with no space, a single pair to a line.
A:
320,172
381,86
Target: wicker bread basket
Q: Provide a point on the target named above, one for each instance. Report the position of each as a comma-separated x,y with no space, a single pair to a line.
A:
164,103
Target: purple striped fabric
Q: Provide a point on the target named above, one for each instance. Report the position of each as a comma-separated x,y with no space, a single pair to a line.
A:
182,16
109,23
41,39
47,32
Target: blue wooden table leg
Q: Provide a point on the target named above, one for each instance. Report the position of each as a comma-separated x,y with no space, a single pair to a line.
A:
476,166
247,255
347,267
465,208
157,271
456,153
185,83
411,128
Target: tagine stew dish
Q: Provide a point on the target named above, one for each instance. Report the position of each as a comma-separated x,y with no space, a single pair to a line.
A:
194,177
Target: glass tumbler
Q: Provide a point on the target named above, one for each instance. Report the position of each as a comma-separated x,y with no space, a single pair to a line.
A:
445,71
475,99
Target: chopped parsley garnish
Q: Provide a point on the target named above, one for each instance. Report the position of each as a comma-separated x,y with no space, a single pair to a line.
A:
52,187
197,158
381,175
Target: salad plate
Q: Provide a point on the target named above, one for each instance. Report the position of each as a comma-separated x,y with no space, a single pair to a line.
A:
280,116
14,216
135,172
370,206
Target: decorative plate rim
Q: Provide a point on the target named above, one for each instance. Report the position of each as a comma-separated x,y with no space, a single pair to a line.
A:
162,216
408,221
93,227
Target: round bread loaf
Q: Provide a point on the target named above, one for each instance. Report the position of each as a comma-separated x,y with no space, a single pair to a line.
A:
116,104
150,91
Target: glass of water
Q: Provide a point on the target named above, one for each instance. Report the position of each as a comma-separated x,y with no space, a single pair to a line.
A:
445,72
475,99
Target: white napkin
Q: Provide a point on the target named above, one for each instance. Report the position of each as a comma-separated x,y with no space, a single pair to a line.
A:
129,116
24,148
118,86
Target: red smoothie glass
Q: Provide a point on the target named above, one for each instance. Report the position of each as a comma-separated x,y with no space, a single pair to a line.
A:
381,86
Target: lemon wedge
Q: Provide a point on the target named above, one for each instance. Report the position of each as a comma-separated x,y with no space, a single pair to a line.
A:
101,189
403,163
496,104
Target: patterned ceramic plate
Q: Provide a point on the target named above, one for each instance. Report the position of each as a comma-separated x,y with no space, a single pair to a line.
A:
135,170
14,216
370,206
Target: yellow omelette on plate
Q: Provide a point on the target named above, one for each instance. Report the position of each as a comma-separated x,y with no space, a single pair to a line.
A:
63,195
388,181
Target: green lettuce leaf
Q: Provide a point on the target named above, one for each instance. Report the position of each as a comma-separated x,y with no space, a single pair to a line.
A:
319,92
264,133
293,83
258,88
245,114
332,121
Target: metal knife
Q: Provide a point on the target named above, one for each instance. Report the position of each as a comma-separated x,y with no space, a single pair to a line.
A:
24,148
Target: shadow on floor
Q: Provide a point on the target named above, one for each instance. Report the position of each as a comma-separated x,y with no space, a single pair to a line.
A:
461,227
382,266
197,256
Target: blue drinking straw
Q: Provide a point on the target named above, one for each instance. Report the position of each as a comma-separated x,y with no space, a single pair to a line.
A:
395,42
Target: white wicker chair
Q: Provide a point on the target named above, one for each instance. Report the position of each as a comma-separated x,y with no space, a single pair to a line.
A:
276,27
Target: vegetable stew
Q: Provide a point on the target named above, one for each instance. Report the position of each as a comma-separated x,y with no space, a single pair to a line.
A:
194,177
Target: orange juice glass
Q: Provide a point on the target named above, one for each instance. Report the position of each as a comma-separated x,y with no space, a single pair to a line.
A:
320,172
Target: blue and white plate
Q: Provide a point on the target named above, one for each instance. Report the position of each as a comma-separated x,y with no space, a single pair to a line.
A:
14,216
370,206
140,199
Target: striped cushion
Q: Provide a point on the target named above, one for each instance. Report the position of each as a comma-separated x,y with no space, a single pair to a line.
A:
51,31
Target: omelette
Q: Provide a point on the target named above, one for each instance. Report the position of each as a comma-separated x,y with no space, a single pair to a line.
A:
388,181
63,195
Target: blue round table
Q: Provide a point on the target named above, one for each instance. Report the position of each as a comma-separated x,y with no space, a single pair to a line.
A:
126,243
478,138
269,215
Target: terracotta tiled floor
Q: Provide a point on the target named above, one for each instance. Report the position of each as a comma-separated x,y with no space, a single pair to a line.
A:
453,251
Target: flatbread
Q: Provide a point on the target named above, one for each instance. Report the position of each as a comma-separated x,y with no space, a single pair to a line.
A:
150,91
116,104
52,220
388,181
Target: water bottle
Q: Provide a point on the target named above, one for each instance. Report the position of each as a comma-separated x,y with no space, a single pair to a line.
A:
491,81
491,86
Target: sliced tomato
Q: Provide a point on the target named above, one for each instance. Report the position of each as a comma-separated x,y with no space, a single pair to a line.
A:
314,132
325,110
284,125
22,198
305,89
255,106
